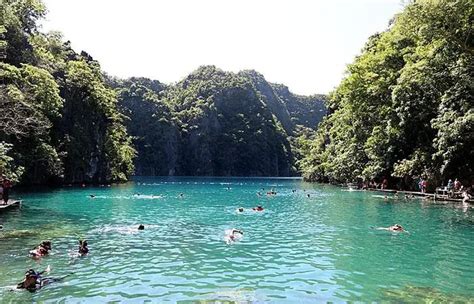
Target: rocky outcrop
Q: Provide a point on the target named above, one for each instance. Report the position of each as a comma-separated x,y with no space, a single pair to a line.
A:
214,123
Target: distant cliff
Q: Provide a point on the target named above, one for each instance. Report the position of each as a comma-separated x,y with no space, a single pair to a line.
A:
215,123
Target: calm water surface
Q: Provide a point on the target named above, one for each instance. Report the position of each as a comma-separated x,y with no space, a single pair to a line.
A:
299,249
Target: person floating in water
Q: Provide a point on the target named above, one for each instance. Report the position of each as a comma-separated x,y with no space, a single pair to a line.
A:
393,228
42,250
141,227
232,235
258,208
34,281
83,250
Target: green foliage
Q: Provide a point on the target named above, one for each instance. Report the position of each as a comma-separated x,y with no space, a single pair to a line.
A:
59,120
405,109
7,166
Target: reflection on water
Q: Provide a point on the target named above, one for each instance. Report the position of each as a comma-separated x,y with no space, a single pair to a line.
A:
300,249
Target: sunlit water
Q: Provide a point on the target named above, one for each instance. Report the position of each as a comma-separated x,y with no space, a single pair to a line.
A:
300,249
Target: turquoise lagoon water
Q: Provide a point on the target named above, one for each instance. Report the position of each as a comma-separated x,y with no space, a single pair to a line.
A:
299,249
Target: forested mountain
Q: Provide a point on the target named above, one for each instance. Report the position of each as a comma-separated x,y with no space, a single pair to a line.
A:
215,123
58,120
405,109
63,121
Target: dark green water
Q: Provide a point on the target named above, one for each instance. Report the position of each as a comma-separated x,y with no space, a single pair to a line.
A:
299,249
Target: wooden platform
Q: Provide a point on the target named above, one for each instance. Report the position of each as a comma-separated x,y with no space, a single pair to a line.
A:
10,204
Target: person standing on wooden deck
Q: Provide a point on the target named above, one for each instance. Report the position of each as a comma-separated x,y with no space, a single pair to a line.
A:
6,185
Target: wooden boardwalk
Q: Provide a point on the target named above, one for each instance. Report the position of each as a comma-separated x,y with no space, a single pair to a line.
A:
10,204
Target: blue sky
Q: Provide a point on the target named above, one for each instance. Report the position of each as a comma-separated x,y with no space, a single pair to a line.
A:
305,44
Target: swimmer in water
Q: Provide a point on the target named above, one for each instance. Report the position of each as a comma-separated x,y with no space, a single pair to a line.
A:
258,208
232,235
240,209
308,195
181,195
83,250
141,227
34,281
42,250
393,228
92,195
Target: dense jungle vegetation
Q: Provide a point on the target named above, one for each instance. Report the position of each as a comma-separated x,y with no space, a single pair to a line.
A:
405,109
59,120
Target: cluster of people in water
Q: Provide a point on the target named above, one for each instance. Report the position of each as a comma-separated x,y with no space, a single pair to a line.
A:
34,280
258,208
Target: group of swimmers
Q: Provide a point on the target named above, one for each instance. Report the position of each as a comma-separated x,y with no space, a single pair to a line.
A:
44,248
258,208
34,280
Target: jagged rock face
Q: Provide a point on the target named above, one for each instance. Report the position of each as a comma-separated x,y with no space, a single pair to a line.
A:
155,135
213,123
269,97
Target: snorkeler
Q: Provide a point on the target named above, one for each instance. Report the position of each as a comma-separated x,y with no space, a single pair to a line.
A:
42,250
393,228
141,227
258,208
83,250
34,281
